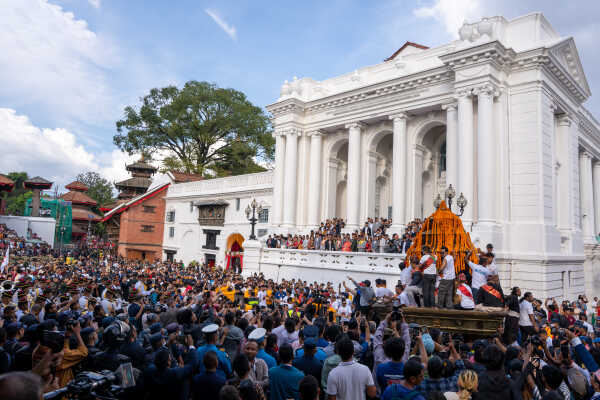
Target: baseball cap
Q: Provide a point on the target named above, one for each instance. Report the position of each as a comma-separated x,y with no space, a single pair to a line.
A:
173,327
310,343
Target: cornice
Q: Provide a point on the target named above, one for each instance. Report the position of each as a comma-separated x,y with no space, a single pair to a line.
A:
403,84
288,106
488,53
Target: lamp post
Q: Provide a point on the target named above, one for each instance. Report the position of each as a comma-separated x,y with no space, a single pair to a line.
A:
450,194
252,210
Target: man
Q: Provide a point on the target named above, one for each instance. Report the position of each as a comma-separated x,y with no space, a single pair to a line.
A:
415,286
259,372
413,376
465,294
527,322
367,295
207,384
309,388
258,335
307,363
286,333
285,378
427,265
479,272
389,373
21,386
490,294
210,335
447,273
350,380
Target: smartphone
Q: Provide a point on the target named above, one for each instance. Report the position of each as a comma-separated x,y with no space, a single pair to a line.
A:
53,340
331,316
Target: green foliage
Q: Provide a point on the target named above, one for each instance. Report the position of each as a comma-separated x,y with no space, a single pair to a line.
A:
206,128
15,205
100,189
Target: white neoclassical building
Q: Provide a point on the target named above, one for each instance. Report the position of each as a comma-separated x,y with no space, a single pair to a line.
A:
497,113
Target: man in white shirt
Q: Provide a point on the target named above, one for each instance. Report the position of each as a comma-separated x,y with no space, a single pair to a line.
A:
262,297
381,289
344,311
479,273
446,289
350,380
427,263
406,275
465,293
526,318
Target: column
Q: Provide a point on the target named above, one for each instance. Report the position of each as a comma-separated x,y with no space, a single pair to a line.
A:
564,193
291,155
451,144
398,173
315,168
331,188
596,204
486,163
354,168
587,209
278,175
466,157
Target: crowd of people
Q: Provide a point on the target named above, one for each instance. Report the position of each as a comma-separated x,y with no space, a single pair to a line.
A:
205,333
330,236
20,246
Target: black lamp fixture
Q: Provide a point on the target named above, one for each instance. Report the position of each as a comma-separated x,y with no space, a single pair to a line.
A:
252,211
450,194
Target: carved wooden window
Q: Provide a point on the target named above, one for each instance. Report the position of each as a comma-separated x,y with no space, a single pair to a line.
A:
149,209
211,215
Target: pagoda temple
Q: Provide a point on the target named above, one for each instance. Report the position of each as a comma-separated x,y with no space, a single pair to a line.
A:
81,209
36,185
6,185
141,173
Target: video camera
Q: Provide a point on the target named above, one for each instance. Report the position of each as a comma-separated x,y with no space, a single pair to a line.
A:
89,385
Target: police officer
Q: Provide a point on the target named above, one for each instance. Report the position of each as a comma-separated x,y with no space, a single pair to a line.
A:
210,337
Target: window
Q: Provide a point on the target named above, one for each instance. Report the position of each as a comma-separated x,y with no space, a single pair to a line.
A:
171,216
237,204
147,228
171,231
149,209
211,239
263,216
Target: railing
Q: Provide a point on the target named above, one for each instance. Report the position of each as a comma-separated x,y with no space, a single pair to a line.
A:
386,263
223,184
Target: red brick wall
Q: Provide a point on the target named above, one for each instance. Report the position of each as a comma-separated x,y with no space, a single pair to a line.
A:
132,241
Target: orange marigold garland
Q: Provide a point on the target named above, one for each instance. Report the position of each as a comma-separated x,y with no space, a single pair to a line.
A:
443,228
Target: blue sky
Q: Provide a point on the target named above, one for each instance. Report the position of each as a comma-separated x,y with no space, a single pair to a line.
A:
68,67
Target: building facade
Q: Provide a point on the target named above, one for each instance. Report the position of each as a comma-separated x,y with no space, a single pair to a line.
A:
497,113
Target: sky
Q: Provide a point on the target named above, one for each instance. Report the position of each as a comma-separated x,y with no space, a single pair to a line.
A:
69,67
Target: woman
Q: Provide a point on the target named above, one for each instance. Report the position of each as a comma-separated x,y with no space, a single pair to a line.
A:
467,384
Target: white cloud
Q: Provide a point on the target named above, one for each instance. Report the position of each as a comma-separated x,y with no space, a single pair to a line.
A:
229,29
54,61
54,154
94,3
451,13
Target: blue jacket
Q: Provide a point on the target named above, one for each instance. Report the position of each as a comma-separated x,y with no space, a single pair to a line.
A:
169,383
266,357
224,363
284,381
399,392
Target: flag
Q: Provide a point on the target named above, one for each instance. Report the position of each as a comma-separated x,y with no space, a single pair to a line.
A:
5,261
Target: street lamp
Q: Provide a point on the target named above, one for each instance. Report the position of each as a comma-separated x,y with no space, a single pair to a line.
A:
252,210
450,194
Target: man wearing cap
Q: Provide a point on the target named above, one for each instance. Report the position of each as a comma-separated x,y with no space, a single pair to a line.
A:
210,335
307,362
367,295
258,335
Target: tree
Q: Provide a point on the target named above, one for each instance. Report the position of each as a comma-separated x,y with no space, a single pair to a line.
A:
99,188
15,205
203,126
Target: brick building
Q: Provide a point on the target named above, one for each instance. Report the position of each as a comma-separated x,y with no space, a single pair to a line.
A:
140,224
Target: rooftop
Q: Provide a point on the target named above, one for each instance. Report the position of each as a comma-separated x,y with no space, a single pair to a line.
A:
77,185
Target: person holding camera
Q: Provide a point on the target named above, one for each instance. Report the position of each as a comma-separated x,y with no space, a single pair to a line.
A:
71,357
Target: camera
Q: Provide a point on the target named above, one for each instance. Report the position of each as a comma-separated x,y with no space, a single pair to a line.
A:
89,385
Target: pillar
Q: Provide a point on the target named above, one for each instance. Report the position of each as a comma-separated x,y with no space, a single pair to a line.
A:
451,145
291,155
587,208
354,169
278,175
596,203
35,203
486,163
398,173
331,188
315,169
563,150
466,157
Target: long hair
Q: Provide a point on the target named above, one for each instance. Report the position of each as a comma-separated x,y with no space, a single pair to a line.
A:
467,384
526,295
